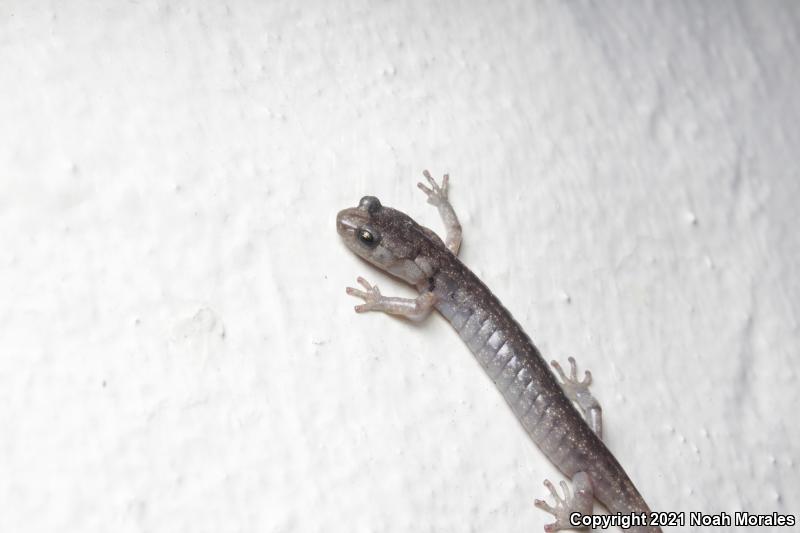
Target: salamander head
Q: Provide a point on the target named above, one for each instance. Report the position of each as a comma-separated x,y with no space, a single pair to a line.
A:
383,236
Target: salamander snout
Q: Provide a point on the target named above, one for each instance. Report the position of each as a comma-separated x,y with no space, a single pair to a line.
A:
341,226
349,220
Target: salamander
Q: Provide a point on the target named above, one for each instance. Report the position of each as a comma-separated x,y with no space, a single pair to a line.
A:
557,410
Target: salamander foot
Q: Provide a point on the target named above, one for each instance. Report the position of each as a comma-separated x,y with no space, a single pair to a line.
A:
578,391
580,502
411,308
437,197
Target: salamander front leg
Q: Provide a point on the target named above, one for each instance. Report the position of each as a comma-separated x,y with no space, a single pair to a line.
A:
578,392
581,502
412,308
437,196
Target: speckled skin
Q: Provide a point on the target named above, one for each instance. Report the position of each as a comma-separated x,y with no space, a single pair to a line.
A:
414,253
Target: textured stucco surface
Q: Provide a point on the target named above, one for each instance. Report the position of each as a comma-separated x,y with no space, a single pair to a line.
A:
177,353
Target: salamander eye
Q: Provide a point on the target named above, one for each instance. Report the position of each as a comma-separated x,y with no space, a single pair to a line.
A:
370,204
367,237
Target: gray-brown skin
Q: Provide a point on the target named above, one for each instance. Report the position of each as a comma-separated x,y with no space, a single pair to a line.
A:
395,243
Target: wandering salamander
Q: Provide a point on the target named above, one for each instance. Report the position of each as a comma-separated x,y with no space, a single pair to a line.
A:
572,440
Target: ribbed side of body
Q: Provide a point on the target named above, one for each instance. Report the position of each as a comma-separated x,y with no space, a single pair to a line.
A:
522,376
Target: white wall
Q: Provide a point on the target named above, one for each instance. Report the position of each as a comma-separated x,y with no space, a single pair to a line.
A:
177,353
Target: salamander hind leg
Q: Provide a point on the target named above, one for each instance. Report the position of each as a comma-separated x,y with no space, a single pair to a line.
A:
580,501
411,308
578,392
